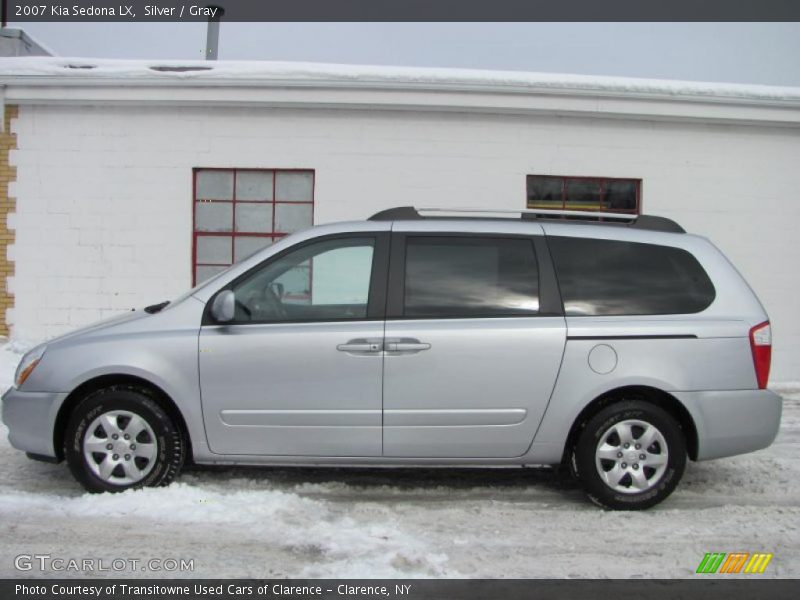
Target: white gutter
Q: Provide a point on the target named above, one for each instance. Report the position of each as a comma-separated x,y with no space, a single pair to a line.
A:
297,85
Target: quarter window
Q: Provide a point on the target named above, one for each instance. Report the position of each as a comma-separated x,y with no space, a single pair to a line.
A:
470,277
584,193
240,211
606,277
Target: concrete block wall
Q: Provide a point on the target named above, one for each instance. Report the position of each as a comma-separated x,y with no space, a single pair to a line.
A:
104,212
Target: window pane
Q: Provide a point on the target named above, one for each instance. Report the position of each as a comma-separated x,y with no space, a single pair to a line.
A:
582,194
620,195
466,277
544,192
254,218
341,276
214,249
214,185
213,216
248,245
254,185
295,186
605,277
292,217
202,273
324,281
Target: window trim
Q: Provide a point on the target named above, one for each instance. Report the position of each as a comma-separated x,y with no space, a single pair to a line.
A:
550,304
376,301
233,234
602,180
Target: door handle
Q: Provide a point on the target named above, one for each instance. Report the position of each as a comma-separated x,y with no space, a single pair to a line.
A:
361,346
406,345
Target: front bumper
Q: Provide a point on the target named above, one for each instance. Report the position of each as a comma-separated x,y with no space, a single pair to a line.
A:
31,418
733,422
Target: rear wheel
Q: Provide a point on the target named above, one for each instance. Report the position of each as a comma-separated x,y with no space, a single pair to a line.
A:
120,438
630,455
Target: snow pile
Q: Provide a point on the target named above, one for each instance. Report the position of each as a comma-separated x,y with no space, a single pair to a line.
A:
299,73
329,544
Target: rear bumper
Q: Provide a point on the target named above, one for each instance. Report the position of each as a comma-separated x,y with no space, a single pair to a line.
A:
733,422
30,418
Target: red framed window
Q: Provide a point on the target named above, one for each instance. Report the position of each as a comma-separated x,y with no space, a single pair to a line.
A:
237,212
607,194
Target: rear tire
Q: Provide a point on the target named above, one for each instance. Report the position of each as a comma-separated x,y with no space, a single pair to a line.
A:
119,438
629,456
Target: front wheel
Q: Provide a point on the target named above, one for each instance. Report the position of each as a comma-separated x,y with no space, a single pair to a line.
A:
630,455
120,438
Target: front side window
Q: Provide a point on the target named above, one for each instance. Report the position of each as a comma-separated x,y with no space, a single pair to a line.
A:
608,277
470,277
327,280
237,212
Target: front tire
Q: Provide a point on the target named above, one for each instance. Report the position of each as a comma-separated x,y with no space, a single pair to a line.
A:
629,456
120,438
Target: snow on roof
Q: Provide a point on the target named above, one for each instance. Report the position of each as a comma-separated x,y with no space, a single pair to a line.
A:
85,71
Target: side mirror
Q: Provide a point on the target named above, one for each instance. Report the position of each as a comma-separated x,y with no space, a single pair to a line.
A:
224,306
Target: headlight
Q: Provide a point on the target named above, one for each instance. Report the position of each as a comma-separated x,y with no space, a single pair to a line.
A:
28,364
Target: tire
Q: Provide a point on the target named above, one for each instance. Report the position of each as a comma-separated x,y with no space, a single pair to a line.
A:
629,482
152,455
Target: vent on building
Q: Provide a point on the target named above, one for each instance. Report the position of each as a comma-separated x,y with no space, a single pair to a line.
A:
177,69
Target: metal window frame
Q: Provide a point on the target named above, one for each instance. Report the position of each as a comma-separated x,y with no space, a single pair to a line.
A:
233,234
603,181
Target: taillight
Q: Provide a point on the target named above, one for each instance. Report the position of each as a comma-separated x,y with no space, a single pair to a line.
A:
761,345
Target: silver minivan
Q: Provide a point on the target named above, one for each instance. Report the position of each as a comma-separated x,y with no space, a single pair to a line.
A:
618,346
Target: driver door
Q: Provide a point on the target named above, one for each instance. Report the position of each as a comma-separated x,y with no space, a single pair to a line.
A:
298,372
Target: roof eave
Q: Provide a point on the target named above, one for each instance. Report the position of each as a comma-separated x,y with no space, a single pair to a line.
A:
434,97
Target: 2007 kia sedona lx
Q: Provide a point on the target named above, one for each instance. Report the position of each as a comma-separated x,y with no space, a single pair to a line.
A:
414,338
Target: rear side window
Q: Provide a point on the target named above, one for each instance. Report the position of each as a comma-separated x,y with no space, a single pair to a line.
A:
470,277
607,277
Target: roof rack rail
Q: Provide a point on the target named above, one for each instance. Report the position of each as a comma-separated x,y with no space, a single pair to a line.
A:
649,222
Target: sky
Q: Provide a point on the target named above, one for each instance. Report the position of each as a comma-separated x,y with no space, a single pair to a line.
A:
757,53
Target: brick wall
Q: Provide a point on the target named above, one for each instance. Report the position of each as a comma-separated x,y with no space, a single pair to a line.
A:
8,142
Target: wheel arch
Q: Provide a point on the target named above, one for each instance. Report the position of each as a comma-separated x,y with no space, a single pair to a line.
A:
110,381
653,395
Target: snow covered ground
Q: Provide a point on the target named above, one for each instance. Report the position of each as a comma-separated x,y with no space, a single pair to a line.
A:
268,523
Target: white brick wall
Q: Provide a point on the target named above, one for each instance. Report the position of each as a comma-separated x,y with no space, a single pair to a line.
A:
104,195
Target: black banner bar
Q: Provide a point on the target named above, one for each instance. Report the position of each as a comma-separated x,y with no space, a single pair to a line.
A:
705,587
67,11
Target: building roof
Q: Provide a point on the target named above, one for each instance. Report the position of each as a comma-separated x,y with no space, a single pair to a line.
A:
82,80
